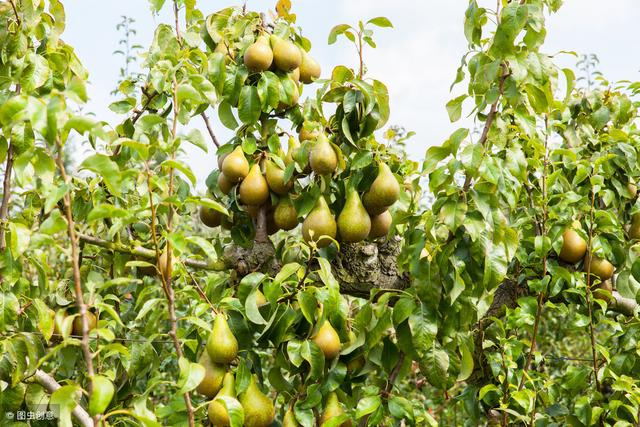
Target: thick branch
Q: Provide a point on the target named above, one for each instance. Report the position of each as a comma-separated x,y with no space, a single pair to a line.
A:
149,254
51,385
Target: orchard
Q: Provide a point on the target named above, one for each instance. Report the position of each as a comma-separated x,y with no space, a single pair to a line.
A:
320,277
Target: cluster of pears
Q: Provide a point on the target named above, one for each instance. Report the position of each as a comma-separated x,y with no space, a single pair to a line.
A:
360,218
219,381
279,54
574,249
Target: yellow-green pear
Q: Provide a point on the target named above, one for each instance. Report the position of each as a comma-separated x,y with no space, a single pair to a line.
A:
309,68
275,179
286,55
217,410
254,189
384,190
102,394
213,376
634,229
224,184
295,75
210,217
223,48
289,419
328,340
92,322
333,409
222,345
285,215
322,157
221,160
319,222
166,268
258,408
259,56
235,166
380,225
354,223
309,131
292,145
574,247
599,266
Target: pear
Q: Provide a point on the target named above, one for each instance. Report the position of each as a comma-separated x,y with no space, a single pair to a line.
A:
599,266
165,270
217,411
380,225
333,409
308,132
319,222
634,229
92,322
286,55
573,247
213,376
603,291
289,419
259,56
309,68
384,191
254,189
222,345
354,223
633,189
210,217
285,215
323,158
295,75
292,146
221,160
224,184
275,179
235,166
103,391
328,340
258,408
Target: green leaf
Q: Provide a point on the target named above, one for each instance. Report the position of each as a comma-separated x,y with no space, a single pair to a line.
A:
269,90
435,365
336,31
191,374
195,137
186,170
105,168
367,405
380,21
9,308
186,92
106,211
225,113
45,318
65,400
454,108
36,73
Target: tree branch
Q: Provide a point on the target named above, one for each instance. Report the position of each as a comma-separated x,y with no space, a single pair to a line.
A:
210,129
50,384
75,265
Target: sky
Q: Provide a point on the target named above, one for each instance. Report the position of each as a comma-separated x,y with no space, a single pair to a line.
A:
417,59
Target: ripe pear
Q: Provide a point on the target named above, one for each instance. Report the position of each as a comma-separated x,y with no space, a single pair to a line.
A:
354,223
599,266
286,55
235,166
272,227
319,222
217,411
166,270
380,225
634,229
603,291
574,247
92,322
309,69
221,160
254,189
213,376
333,409
258,408
384,190
322,157
222,345
308,134
275,179
285,215
224,184
259,56
295,75
289,419
292,146
633,189
328,340
210,217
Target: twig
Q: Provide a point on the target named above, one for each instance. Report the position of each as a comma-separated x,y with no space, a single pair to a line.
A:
50,384
150,254
210,129
75,264
588,292
15,11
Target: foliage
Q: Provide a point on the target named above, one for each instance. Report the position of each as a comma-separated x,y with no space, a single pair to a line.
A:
111,283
